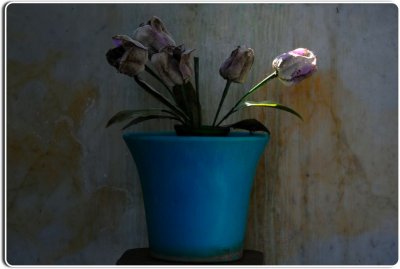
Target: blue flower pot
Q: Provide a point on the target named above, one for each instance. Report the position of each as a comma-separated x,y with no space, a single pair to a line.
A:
196,192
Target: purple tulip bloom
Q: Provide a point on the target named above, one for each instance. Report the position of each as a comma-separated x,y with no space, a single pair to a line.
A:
295,65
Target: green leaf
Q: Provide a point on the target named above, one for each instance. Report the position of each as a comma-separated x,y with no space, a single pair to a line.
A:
251,125
126,114
160,97
145,118
269,104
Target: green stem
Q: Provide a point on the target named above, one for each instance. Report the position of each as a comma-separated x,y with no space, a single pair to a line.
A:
187,105
251,91
196,77
228,83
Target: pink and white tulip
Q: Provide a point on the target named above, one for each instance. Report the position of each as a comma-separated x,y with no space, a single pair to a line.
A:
295,65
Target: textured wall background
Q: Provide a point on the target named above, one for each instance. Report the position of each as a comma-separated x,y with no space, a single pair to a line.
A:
326,190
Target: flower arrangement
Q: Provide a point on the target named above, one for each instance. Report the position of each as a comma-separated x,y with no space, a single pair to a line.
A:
171,66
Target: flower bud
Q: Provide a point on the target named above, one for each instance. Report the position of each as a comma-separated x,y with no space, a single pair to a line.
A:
237,66
129,57
153,35
295,65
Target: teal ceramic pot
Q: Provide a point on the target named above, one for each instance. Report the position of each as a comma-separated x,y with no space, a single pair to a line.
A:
196,192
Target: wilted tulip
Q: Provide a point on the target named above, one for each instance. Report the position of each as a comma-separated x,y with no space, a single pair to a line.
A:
153,35
129,57
173,65
295,65
236,67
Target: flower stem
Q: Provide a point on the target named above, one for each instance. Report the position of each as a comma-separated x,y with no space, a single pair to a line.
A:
187,105
196,77
228,83
251,91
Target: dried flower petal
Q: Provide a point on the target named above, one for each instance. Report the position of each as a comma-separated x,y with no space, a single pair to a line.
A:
173,65
127,42
133,62
129,57
153,35
168,68
114,56
184,65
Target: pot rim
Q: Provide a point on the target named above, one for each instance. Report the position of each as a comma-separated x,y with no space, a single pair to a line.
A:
172,136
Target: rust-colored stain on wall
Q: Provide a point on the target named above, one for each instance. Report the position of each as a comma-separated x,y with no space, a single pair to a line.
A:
44,158
321,188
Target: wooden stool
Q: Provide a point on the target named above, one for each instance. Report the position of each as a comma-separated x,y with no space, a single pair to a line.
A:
141,256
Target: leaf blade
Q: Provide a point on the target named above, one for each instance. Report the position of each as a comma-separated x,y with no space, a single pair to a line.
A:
271,105
126,114
159,97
